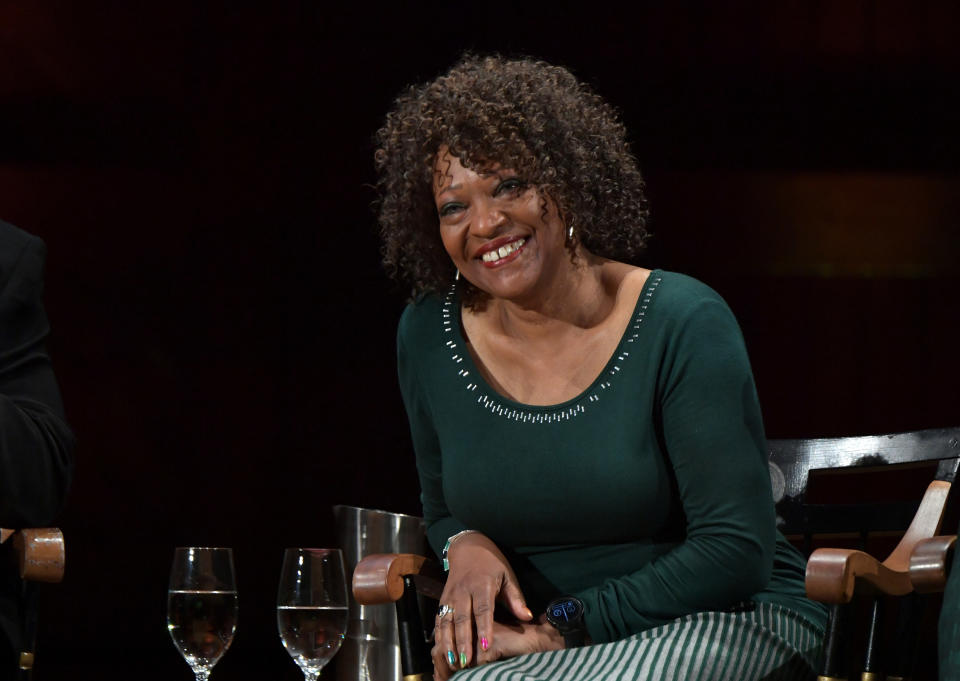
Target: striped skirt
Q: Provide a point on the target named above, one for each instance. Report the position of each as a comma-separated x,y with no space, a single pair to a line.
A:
769,643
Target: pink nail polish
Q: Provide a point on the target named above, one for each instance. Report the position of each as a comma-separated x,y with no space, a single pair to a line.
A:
484,643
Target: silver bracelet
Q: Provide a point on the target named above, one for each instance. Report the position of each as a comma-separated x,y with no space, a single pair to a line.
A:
446,547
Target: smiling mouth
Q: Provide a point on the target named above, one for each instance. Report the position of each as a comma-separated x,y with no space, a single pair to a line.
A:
503,253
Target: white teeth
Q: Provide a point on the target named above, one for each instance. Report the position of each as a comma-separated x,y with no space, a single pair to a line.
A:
503,251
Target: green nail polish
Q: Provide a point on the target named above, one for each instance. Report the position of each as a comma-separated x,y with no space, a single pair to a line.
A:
463,659
451,658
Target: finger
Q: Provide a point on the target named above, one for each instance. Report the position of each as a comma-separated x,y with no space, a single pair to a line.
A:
483,607
515,600
444,635
441,667
463,630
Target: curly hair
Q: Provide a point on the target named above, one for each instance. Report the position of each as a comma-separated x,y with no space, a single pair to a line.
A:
526,115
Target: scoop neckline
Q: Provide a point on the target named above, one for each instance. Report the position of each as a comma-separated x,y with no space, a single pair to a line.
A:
602,382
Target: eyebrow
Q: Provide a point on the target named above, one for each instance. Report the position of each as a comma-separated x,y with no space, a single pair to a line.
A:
499,173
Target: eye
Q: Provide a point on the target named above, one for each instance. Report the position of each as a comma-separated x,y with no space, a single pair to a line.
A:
450,208
508,186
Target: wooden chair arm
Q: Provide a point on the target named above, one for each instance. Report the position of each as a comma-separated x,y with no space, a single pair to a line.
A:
378,578
832,575
41,553
930,563
925,524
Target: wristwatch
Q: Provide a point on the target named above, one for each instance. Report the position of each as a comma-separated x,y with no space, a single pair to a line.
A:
566,614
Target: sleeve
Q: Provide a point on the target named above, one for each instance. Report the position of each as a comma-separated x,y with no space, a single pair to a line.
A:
426,445
711,429
36,445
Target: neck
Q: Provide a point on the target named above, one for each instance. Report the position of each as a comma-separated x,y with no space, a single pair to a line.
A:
579,298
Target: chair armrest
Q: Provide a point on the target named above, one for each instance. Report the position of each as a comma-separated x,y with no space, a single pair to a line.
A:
41,553
930,563
832,575
378,578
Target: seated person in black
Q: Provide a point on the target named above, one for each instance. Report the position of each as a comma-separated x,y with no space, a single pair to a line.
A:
36,445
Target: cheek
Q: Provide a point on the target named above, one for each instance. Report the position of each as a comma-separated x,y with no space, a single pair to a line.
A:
542,206
547,221
452,242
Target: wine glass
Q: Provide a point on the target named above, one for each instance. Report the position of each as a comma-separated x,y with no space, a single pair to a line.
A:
202,606
312,607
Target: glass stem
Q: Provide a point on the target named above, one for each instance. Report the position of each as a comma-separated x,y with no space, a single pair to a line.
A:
201,674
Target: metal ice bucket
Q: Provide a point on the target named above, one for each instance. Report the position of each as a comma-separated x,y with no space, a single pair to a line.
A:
371,651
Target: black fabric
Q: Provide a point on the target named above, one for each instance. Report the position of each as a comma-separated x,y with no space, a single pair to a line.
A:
36,445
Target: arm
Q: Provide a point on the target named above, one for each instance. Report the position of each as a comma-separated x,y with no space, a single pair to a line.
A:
36,446
439,521
710,427
479,573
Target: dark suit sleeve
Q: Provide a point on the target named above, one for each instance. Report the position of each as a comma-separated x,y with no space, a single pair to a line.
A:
36,445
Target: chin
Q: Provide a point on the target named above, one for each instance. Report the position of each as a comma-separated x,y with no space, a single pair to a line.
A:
505,288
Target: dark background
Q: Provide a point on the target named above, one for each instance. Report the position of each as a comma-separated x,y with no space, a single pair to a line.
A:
222,331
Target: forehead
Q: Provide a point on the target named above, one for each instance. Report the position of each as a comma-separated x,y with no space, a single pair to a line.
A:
448,171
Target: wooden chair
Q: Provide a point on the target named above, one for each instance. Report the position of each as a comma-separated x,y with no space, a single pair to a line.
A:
834,576
398,578
40,555
934,564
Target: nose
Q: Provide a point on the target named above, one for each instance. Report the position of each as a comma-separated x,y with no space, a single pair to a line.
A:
489,218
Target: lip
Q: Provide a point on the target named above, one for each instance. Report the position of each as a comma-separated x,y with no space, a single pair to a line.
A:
505,260
496,244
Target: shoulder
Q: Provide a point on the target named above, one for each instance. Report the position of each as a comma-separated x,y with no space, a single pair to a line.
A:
687,308
421,333
20,252
682,295
422,316
14,241
423,322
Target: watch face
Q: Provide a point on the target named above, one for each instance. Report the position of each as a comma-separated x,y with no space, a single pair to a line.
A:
564,610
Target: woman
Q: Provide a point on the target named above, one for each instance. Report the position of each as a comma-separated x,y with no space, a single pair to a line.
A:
587,432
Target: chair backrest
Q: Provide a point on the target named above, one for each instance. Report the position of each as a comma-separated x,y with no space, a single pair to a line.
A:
925,455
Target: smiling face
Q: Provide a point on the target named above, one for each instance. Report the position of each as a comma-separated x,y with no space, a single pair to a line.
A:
504,236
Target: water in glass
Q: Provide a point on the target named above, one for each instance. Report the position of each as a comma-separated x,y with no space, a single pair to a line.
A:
312,607
202,606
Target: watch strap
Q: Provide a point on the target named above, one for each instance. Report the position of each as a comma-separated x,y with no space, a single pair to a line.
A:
575,638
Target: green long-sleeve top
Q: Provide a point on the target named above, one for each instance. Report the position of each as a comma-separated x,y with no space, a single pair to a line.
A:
648,495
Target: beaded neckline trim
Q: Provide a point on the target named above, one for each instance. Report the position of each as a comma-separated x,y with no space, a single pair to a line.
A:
498,405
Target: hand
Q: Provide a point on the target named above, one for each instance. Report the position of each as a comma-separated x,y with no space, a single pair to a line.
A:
479,575
511,640
521,638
